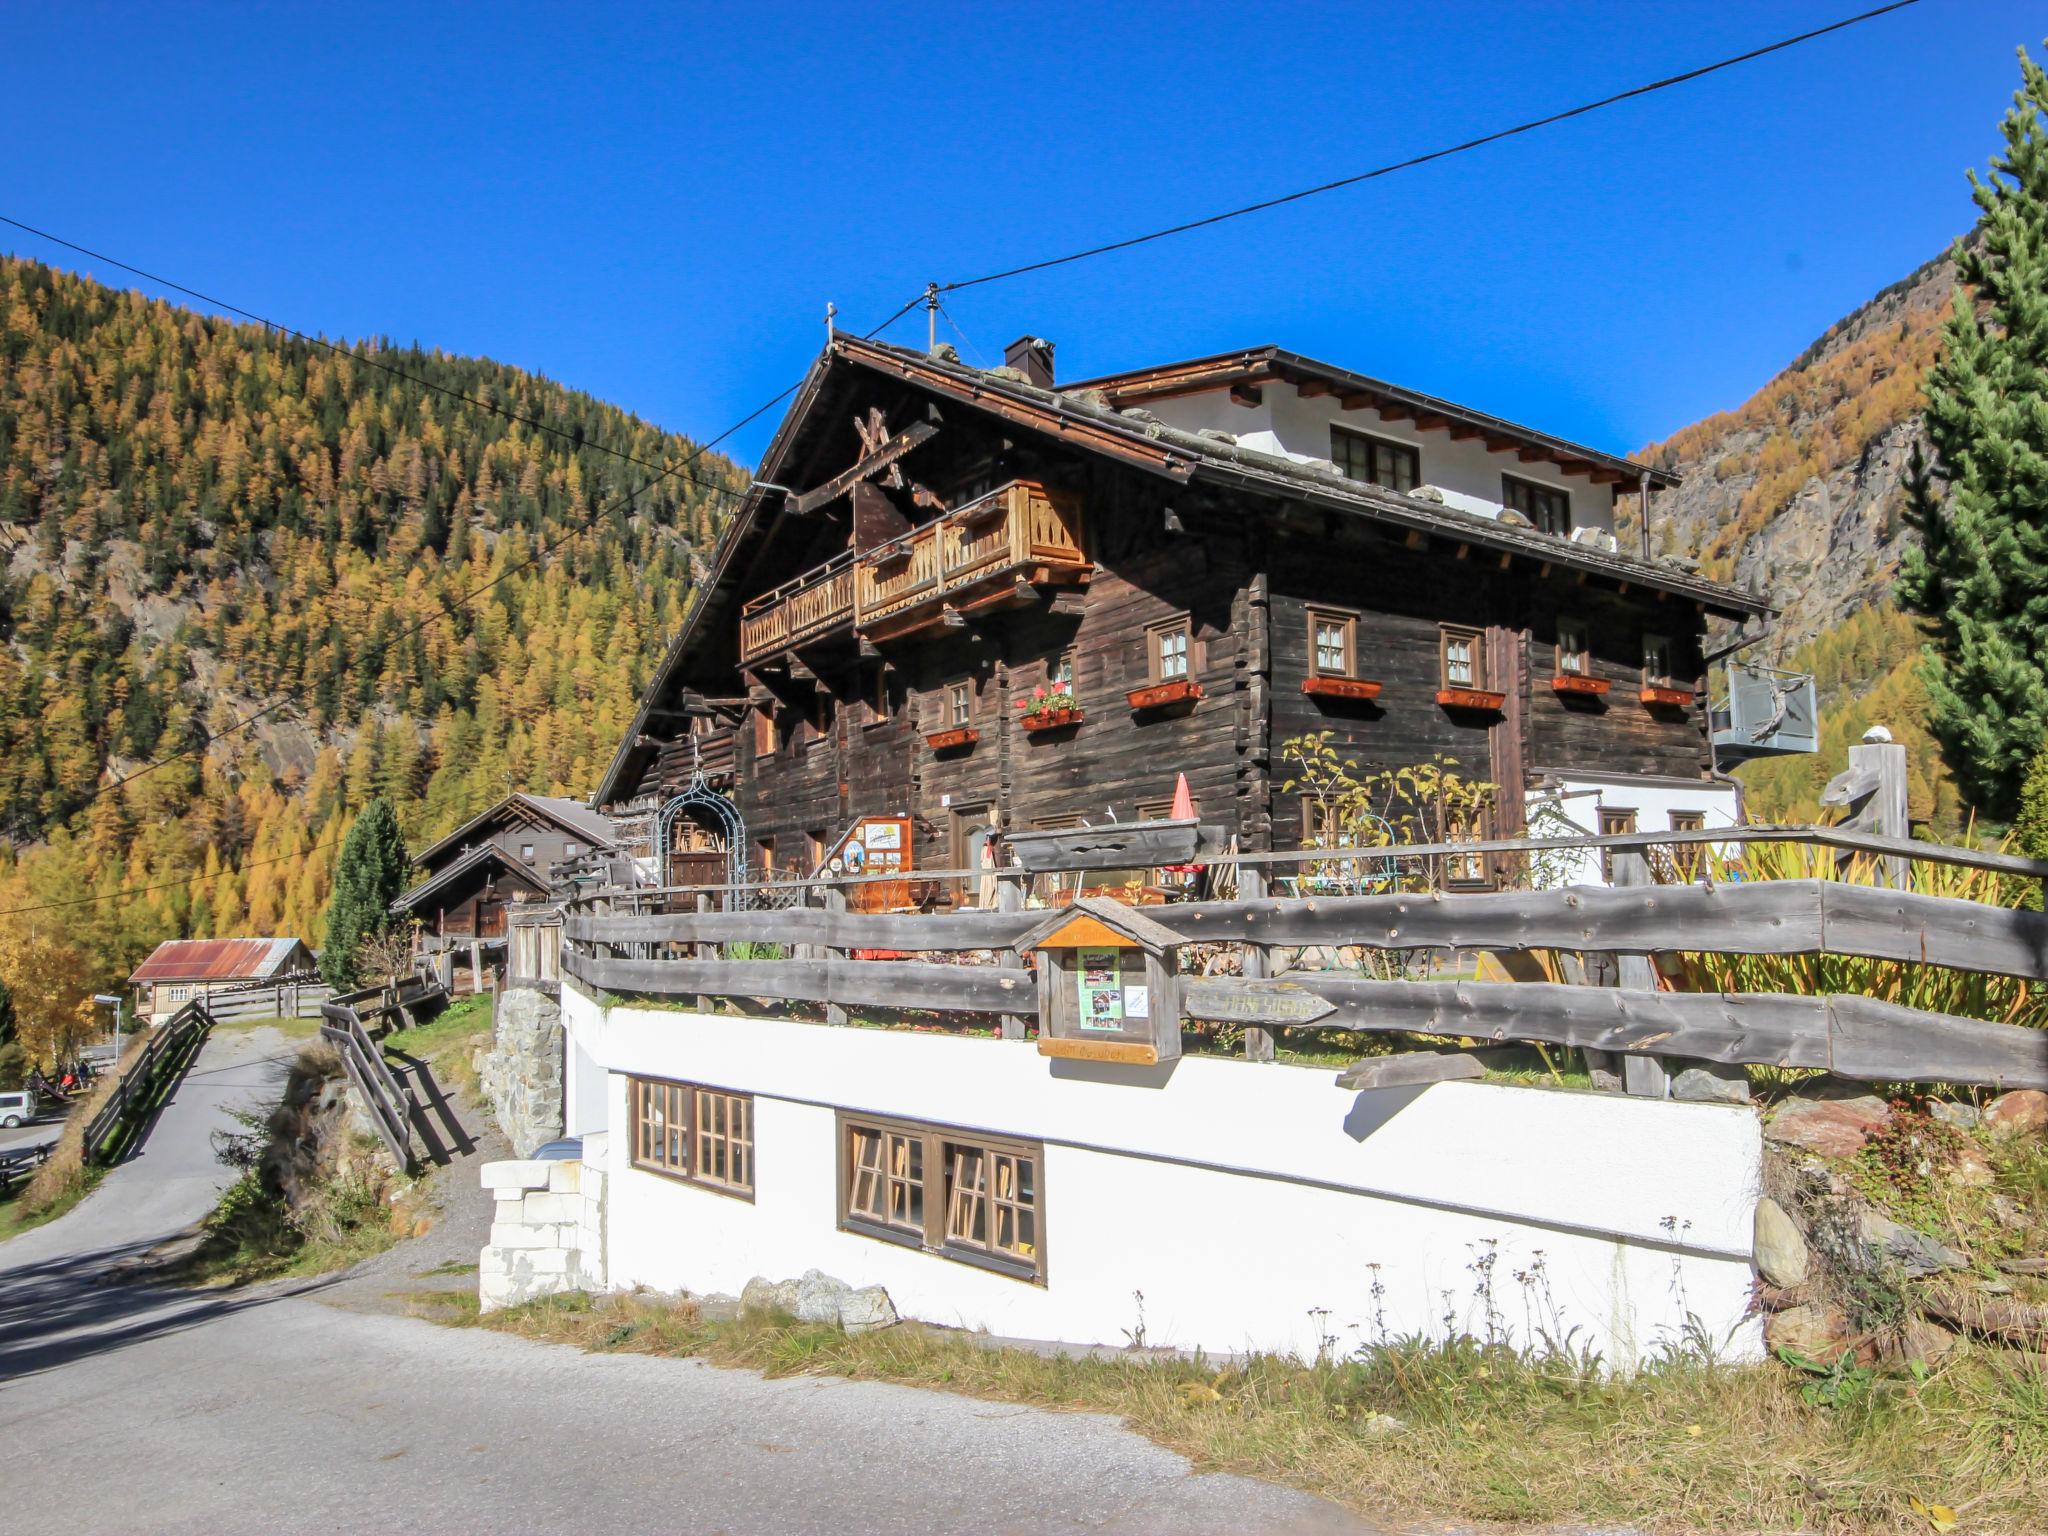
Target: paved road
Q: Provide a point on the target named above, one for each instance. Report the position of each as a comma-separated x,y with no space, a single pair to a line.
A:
126,1409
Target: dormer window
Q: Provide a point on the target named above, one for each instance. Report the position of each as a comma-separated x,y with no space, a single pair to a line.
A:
1375,460
1548,509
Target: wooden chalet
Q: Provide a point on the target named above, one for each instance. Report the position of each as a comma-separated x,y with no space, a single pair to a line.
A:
1211,557
519,850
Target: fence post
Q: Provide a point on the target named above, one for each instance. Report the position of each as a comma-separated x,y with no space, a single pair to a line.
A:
1643,1076
697,951
1886,814
835,901
1260,1044
1010,898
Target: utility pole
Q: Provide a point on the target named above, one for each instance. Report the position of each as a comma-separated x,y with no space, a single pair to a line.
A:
931,317
831,313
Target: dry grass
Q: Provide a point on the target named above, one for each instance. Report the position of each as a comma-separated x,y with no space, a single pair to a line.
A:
65,1178
1487,1434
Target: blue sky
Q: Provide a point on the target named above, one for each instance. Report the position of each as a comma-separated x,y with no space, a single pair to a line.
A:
655,203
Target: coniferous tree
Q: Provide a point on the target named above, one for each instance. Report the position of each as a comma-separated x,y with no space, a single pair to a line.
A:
1979,582
2030,827
370,875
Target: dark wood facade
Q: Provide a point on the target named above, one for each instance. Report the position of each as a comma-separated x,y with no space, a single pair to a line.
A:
1197,565
506,855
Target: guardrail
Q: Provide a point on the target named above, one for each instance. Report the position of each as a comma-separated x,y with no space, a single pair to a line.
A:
170,1049
20,1163
389,1103
674,954
268,1000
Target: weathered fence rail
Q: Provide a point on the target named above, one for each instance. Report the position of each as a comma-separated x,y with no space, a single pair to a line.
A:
268,1000
170,1049
389,1102
611,942
19,1164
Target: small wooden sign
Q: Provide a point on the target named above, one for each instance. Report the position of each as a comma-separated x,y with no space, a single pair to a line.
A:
1226,1001
1108,984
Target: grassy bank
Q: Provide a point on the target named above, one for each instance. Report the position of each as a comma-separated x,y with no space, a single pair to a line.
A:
1464,1430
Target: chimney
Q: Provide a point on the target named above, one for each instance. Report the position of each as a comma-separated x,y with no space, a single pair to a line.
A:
1032,357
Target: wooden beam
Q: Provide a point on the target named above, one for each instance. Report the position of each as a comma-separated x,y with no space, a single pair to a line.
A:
1410,1069
1416,538
870,464
1431,422
1528,454
1603,476
858,983
1312,389
1357,402
1464,431
1393,410
1246,394
1498,444
1575,466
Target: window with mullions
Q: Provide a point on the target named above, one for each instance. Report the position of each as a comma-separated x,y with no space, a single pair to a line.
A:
704,1136
1392,466
1547,507
1462,657
1169,650
1332,643
957,1194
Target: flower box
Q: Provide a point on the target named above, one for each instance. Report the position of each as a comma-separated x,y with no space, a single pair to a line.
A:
1052,719
1658,697
1182,690
1579,683
1483,700
947,741
1340,688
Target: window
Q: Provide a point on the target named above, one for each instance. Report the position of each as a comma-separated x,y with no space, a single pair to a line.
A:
1155,810
1547,507
526,852
814,851
878,698
1321,827
1574,656
764,731
1686,857
1332,643
1656,662
571,849
818,722
1465,869
703,1136
1393,466
766,849
1614,821
1059,673
959,703
1169,653
1463,657
958,1194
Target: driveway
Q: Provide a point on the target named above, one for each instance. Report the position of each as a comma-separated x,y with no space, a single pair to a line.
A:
126,1408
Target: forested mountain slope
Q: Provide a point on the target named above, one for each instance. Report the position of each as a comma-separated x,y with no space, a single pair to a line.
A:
197,515
1801,492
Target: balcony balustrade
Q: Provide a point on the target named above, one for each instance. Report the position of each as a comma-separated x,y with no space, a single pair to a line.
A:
1019,530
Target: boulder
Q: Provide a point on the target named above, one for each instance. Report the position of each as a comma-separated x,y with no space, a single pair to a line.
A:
1831,1127
1888,1241
1954,1112
1818,1331
1381,1424
762,1297
818,1297
1927,1342
1971,1166
865,1309
1780,1247
1711,1083
2024,1109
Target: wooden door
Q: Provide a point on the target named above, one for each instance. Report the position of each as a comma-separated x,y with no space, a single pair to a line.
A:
971,831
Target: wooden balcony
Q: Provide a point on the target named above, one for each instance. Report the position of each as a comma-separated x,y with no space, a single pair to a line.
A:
1020,531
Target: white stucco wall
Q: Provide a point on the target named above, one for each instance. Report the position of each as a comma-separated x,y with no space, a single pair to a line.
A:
1249,1204
1652,799
1284,423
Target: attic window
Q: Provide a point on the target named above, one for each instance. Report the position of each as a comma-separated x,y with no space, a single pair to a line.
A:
1374,460
1547,508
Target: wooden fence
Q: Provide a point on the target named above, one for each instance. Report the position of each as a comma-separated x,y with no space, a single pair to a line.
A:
966,961
171,1047
388,1102
18,1164
268,1000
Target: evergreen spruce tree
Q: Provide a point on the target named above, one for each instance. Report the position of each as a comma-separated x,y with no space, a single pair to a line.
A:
369,876
1979,581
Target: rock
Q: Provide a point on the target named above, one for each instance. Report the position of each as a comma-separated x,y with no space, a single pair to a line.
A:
762,1297
1971,1167
818,1297
2024,1109
1815,1330
1885,1240
1382,1424
1780,1247
1831,1127
1604,1068
1963,1117
1926,1342
1711,1083
865,1309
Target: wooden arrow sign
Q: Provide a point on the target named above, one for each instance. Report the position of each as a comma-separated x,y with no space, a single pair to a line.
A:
1224,1000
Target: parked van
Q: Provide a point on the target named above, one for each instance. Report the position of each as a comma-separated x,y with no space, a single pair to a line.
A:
17,1108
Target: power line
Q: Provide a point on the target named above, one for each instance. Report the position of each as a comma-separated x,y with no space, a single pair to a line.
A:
1436,154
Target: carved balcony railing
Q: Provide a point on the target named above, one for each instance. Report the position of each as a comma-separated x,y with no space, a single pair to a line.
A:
1019,530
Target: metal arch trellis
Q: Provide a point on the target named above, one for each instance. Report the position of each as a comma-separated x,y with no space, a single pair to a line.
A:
699,796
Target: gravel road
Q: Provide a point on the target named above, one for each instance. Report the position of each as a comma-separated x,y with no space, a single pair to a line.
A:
125,1408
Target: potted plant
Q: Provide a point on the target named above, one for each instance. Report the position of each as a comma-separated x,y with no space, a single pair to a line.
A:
1047,709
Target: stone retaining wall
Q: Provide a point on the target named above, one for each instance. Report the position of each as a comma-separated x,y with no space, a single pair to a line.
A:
522,1071
547,1233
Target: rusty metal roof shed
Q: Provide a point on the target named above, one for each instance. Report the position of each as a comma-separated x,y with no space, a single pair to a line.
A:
223,960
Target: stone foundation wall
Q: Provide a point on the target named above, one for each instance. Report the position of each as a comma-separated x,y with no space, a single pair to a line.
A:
522,1071
547,1233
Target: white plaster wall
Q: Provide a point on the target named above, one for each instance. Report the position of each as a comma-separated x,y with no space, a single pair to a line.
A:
1247,1203
1652,799
1284,423
585,1107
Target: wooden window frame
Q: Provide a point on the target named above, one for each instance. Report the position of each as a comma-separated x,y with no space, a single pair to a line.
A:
878,699
1467,871
1181,624
1651,645
1345,619
764,731
1446,633
1510,483
528,852
685,1106
1574,629
1687,858
956,692
938,1166
1614,821
1377,446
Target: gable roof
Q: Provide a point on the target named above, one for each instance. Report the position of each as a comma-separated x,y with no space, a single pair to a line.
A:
1085,417
1110,913
474,858
217,960
572,816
